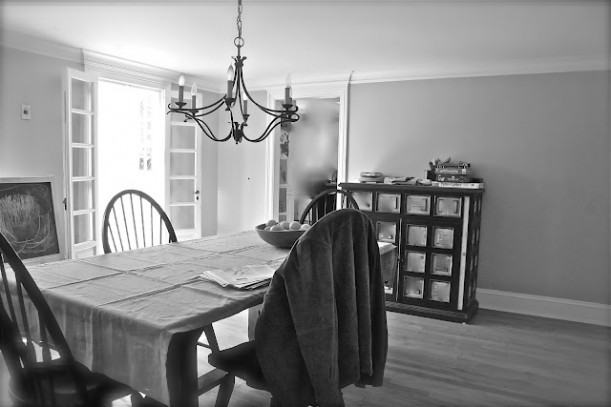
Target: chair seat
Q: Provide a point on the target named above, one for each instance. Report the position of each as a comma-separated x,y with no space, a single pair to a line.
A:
57,383
242,361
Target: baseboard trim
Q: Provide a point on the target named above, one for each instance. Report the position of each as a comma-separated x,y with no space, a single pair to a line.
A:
549,307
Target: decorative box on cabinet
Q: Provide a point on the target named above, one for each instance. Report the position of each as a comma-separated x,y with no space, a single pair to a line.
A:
437,234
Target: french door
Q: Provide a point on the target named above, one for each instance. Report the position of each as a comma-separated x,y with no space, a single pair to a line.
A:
80,163
84,202
184,173
184,180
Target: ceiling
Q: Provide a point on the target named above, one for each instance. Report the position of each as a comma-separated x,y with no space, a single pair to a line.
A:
312,40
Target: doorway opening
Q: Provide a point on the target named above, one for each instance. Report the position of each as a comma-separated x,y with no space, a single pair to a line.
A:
307,155
131,141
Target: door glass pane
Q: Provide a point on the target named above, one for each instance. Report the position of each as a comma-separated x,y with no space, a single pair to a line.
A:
81,128
389,203
447,206
182,190
81,94
183,217
82,162
82,195
363,200
182,164
83,228
418,204
416,235
416,261
309,149
440,291
387,231
183,137
413,287
442,264
443,237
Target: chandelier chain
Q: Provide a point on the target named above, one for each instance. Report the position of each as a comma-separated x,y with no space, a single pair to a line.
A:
239,41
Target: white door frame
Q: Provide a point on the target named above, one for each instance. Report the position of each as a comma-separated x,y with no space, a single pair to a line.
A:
335,89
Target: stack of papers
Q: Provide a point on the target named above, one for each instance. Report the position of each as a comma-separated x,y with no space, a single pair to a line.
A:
243,278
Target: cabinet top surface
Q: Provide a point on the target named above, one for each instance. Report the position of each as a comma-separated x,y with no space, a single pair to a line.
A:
423,189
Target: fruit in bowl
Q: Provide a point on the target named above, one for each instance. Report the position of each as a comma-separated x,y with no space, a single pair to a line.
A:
281,234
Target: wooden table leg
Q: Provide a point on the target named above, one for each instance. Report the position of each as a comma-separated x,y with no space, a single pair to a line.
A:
181,369
253,316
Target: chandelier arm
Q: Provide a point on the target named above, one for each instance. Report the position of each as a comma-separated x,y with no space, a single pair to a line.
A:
269,111
218,102
271,126
217,107
203,126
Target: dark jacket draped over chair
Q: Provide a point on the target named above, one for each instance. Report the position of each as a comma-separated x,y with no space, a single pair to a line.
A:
323,323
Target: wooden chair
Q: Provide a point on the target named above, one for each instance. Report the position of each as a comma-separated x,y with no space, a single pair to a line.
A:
133,220
292,333
43,371
324,203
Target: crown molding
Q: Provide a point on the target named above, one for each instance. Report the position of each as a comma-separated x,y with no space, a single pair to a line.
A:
134,70
116,67
35,45
503,68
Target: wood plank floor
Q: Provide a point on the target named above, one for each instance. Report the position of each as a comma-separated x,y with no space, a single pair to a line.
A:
499,359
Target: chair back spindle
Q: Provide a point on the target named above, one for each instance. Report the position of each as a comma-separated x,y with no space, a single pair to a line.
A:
325,203
133,220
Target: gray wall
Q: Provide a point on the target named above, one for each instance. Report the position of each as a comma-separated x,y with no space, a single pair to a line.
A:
541,143
241,173
32,147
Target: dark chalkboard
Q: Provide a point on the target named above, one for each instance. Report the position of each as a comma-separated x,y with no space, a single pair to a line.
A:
27,216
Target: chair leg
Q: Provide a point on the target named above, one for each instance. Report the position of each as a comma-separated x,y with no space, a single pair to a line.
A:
225,390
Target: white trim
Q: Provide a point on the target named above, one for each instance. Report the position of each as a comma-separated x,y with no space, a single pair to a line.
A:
548,307
463,252
22,42
131,69
116,68
503,68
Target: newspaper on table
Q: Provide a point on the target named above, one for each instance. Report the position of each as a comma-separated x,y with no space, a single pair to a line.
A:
243,278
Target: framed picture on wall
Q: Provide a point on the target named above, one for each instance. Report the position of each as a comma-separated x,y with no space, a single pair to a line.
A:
28,218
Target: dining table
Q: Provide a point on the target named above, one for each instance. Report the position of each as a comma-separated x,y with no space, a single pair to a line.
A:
137,316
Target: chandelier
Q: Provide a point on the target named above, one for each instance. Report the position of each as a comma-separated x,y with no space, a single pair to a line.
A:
235,101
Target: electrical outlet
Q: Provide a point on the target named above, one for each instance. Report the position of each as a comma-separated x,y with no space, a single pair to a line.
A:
26,112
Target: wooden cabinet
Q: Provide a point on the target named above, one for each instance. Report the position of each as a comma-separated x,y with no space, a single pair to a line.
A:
437,233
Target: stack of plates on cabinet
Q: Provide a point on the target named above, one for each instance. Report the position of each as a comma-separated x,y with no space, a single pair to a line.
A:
371,177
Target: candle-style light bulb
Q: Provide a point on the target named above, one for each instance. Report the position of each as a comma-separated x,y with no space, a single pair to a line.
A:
287,90
193,95
245,105
181,88
230,75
